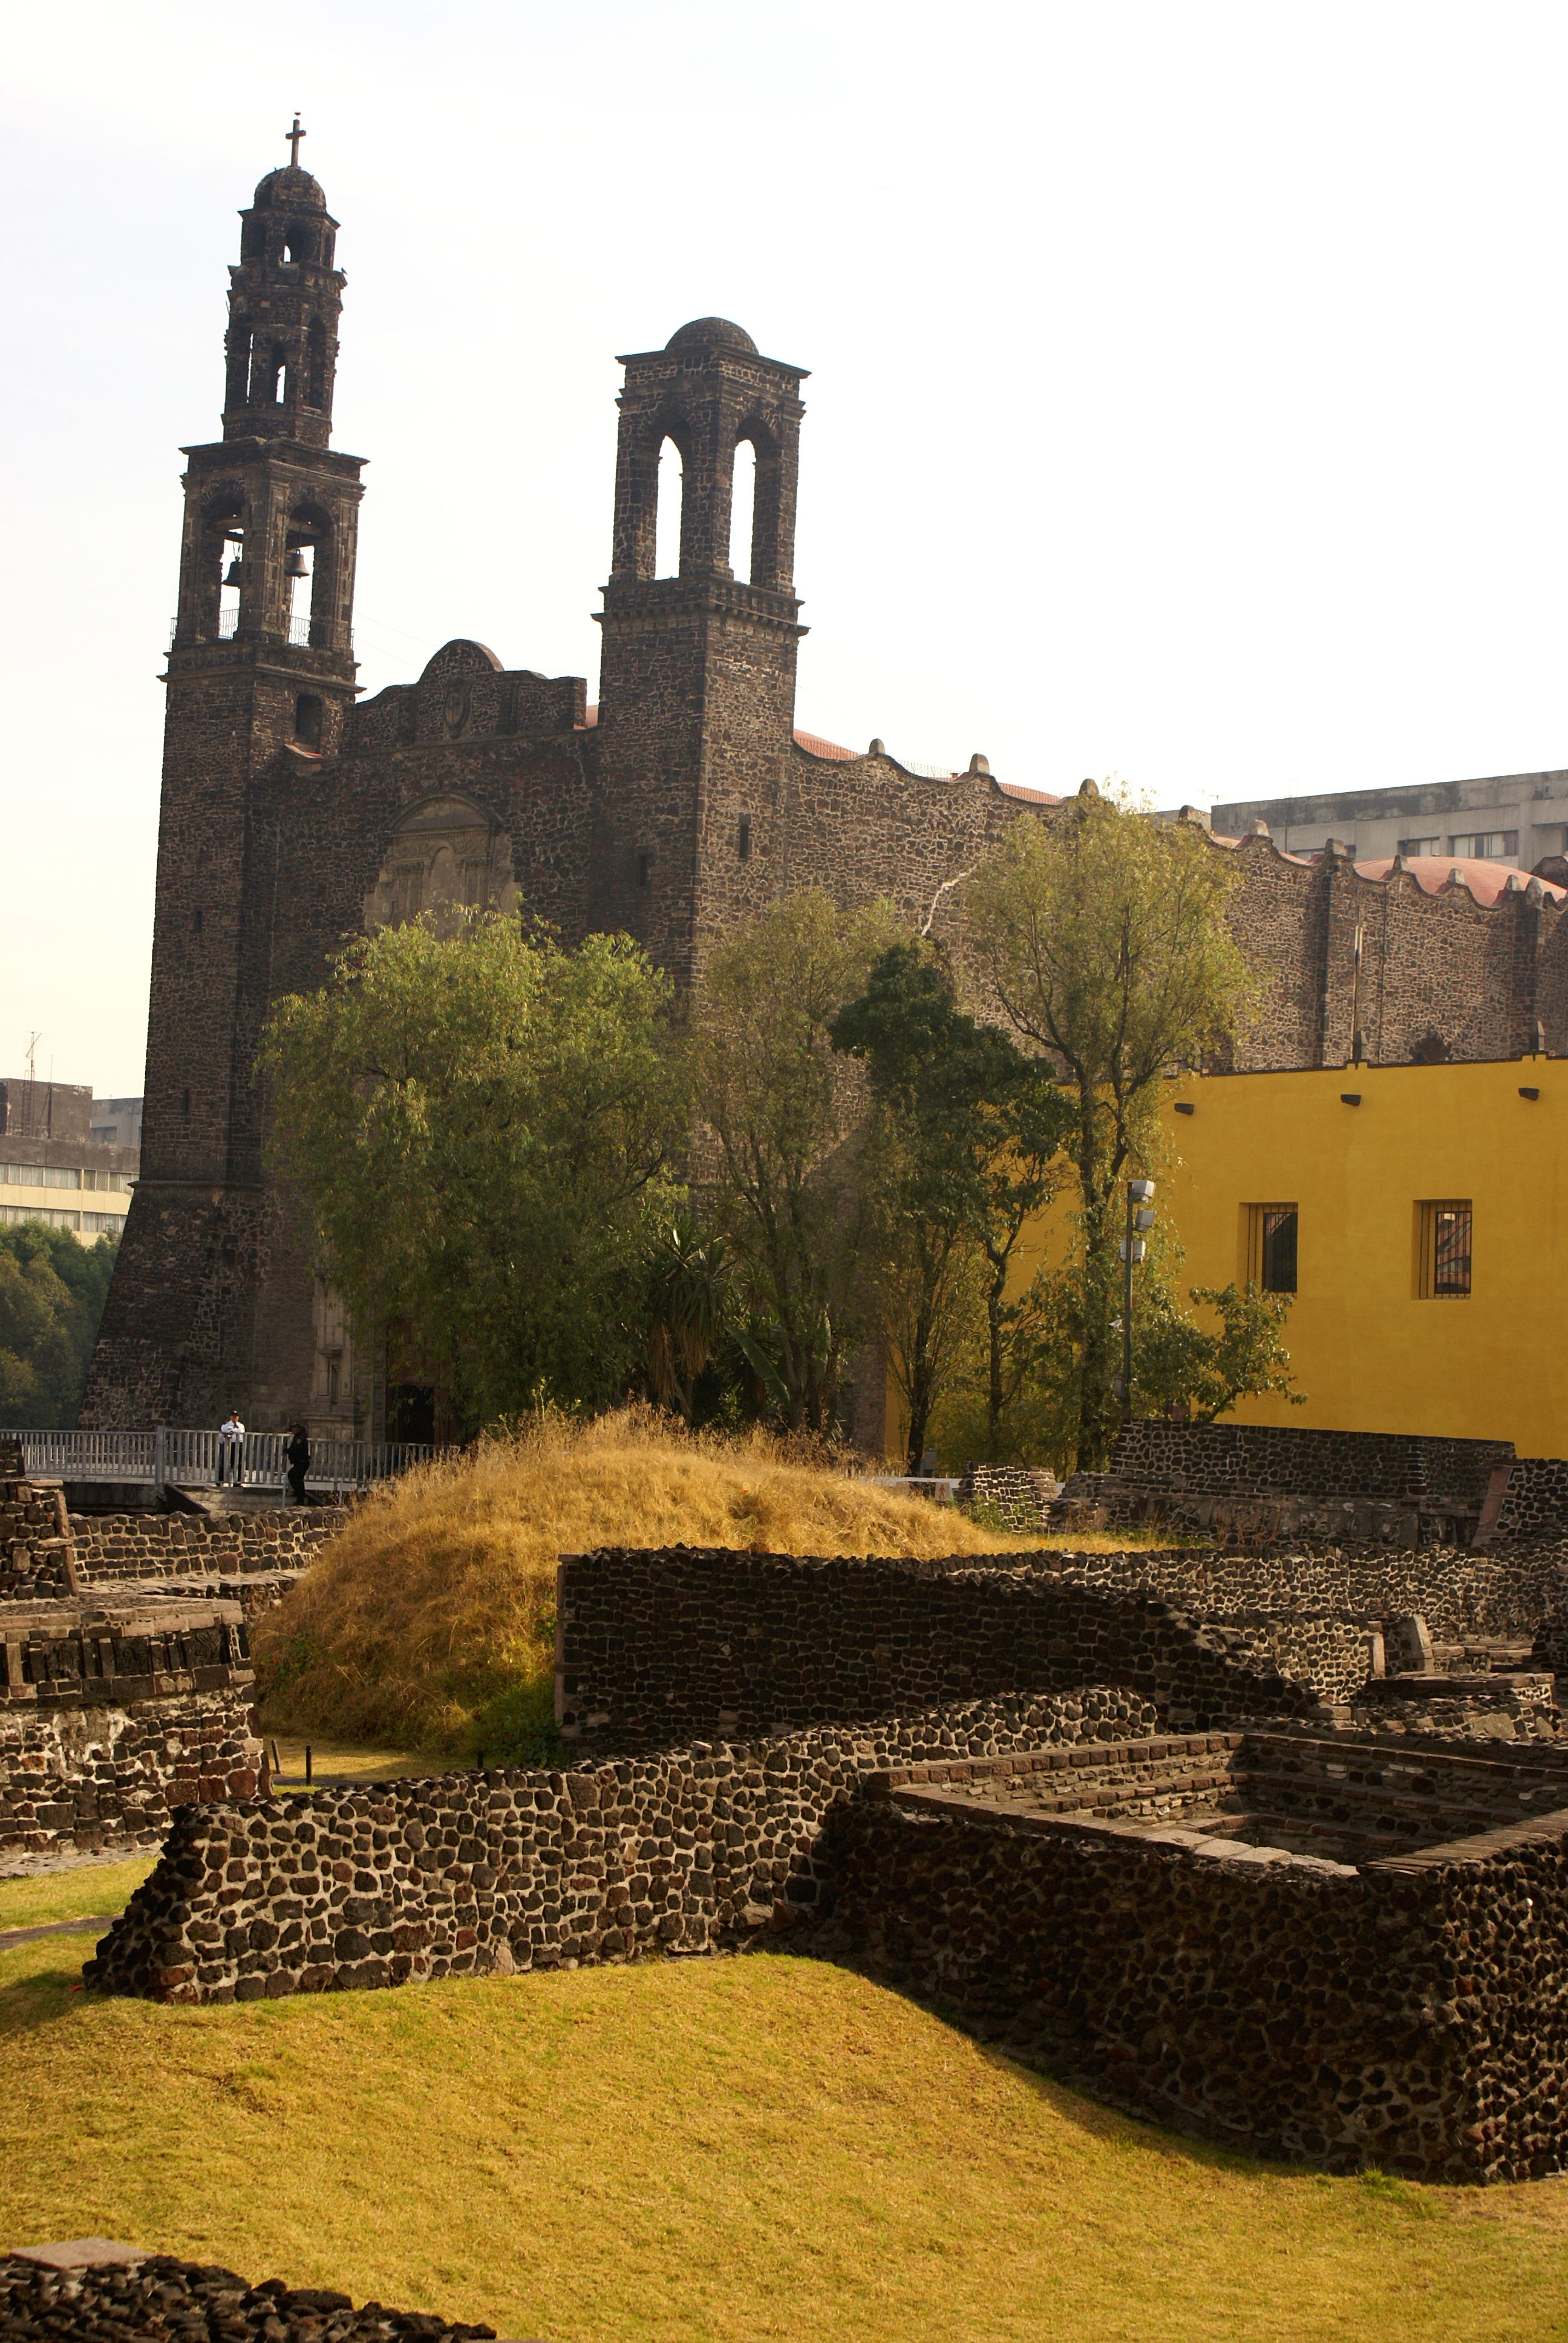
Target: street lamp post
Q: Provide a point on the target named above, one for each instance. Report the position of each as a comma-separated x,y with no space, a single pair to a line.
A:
1140,1217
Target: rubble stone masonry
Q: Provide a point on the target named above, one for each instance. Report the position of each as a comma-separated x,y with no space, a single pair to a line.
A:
113,1717
1408,2013
657,1647
486,1873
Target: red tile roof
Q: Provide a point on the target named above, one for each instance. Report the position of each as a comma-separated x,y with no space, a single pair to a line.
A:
1486,880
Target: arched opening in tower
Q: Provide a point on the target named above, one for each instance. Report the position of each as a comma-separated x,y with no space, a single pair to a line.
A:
743,509
667,534
231,556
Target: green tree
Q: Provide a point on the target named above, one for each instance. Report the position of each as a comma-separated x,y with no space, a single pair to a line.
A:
482,1126
1178,1364
52,1293
1105,936
780,1122
966,1148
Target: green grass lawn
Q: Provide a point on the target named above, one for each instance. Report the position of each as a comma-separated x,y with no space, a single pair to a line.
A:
337,1762
703,2152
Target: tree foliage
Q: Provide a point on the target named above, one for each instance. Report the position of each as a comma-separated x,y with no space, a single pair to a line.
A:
966,1138
780,1114
483,1126
1180,1365
52,1293
1104,934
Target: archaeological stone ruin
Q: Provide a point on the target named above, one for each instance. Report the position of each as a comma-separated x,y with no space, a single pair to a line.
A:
127,1690
1269,1846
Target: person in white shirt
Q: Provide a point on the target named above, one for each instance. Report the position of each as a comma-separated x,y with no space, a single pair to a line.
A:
231,1450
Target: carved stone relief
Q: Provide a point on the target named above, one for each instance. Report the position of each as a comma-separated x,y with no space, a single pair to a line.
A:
448,858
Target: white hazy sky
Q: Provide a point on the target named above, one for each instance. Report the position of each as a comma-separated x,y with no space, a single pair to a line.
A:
1187,393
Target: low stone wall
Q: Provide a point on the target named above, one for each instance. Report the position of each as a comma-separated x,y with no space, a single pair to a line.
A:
111,1721
1513,1706
479,1873
84,2291
37,1562
661,1646
1273,1460
1460,1594
1409,2014
1537,1504
1021,1495
226,1545
1331,1653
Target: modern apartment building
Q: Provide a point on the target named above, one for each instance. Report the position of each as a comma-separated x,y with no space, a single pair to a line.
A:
1520,820
53,1165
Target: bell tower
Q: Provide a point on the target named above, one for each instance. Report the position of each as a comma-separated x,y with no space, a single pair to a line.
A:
697,695
260,680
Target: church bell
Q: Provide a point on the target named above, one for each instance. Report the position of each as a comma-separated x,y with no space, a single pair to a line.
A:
232,575
294,566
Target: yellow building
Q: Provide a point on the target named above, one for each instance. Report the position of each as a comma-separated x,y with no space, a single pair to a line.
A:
1420,1214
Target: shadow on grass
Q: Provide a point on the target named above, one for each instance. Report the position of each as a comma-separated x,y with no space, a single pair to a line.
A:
1077,2100
40,1997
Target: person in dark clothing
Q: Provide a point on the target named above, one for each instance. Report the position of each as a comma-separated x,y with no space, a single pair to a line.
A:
298,1456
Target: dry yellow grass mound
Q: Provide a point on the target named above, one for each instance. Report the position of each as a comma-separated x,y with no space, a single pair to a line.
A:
429,1621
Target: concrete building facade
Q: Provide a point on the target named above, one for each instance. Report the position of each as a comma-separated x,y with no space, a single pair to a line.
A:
1517,819
54,1168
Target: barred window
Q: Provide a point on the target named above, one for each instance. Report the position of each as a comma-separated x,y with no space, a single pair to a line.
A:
1271,1247
1443,1249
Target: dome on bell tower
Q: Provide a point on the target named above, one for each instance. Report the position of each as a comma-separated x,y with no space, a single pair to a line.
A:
291,188
711,334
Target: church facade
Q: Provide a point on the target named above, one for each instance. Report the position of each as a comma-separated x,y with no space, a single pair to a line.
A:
294,813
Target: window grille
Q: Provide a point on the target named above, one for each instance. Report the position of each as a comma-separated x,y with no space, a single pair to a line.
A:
1443,1251
1271,1247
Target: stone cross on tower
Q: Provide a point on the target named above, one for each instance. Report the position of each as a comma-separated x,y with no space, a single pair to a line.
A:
294,137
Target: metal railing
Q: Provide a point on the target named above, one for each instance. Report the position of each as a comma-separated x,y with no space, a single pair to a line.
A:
166,1457
298,633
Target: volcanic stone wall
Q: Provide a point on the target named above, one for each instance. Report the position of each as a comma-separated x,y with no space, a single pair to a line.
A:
660,1646
1272,1460
169,1545
37,1561
1536,1504
482,1874
1409,2014
1461,1596
72,2295
110,1721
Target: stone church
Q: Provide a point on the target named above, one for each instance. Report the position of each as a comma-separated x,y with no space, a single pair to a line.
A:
294,813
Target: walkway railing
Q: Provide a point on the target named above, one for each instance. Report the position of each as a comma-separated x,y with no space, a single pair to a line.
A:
191,1460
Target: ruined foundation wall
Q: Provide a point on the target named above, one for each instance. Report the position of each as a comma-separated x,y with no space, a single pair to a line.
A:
656,1647
1407,2015
36,1562
169,1545
1460,1594
110,1721
1277,1459
92,1779
475,1874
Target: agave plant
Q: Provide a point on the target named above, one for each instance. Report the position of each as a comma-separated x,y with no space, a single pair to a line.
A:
687,1292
